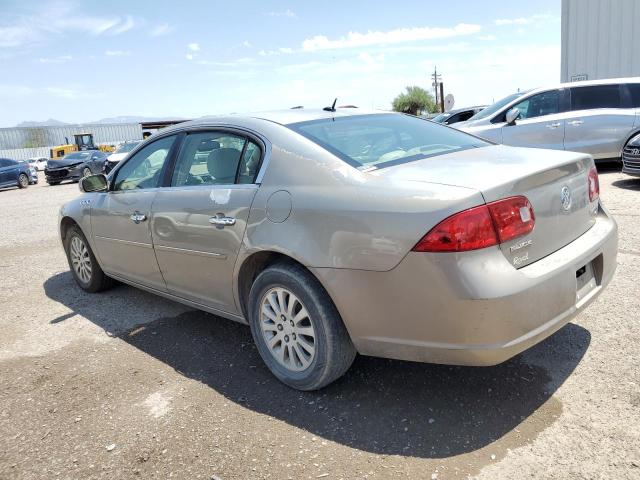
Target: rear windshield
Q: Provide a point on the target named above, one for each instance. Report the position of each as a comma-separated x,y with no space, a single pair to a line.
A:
377,141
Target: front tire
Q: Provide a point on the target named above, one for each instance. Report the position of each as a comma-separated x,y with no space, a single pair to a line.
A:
83,264
23,180
86,172
297,328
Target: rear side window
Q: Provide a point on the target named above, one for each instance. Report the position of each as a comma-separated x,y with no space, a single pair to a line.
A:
634,92
216,158
597,96
381,140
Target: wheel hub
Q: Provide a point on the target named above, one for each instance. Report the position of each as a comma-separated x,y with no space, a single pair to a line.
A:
287,329
80,259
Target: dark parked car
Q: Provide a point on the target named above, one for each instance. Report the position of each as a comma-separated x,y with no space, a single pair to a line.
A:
631,157
33,170
74,166
459,115
16,174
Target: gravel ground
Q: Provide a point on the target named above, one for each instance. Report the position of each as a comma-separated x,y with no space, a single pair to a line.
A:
128,385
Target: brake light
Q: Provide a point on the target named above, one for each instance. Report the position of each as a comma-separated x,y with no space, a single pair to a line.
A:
594,185
480,227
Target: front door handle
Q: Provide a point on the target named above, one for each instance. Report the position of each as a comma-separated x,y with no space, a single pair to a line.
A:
553,125
222,221
137,217
576,122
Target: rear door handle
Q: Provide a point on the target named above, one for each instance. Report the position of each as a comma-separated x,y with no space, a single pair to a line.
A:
553,125
137,217
222,221
576,122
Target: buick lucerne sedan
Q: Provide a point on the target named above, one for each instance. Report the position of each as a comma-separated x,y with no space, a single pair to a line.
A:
333,233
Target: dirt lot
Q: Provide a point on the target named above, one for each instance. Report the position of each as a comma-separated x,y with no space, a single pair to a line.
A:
127,385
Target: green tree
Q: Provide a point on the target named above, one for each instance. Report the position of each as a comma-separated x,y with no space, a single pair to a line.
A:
415,101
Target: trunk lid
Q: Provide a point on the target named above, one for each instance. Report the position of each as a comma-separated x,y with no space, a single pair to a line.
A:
555,182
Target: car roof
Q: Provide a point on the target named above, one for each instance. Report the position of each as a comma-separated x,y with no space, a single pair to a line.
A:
282,117
586,83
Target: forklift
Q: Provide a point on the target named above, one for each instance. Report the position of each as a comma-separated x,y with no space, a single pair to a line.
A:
82,142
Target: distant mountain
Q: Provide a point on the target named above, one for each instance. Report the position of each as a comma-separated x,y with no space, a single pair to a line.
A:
133,119
46,123
120,119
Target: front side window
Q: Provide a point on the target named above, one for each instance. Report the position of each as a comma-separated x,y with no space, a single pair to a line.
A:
539,105
144,169
597,96
216,158
366,141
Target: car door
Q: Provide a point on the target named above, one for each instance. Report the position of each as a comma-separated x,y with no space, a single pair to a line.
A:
598,124
198,223
540,124
120,217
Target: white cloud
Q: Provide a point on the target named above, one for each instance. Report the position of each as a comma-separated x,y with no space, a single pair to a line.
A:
117,53
189,56
194,47
162,29
246,44
487,38
533,19
286,13
62,92
285,50
60,59
59,19
400,35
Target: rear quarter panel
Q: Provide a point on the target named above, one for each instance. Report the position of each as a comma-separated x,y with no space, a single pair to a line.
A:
341,217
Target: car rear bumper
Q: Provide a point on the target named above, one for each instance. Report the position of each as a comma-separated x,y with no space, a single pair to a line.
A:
472,308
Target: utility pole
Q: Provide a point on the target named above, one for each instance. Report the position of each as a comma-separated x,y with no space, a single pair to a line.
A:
437,87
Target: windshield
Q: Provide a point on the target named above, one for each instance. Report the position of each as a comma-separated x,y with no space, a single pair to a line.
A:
491,109
441,118
377,141
126,147
78,156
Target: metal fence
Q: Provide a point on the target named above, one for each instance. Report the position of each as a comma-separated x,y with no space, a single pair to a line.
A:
30,138
24,153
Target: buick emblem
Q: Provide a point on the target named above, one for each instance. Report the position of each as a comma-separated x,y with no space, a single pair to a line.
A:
565,198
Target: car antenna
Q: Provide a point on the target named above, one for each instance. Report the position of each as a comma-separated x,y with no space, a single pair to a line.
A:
332,108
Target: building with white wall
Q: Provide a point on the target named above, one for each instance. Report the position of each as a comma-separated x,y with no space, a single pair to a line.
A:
600,39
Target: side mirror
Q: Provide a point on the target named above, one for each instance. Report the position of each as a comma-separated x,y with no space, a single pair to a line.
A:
512,116
94,183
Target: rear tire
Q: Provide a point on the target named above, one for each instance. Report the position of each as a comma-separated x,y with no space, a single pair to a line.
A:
23,180
83,264
297,328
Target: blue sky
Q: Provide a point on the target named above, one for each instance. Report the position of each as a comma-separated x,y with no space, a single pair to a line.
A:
81,61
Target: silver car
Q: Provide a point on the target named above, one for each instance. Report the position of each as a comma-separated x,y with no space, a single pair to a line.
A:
336,232
597,117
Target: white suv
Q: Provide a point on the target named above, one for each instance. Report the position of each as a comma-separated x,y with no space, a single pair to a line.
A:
597,117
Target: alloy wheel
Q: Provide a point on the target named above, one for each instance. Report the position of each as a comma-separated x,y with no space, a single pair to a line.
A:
287,329
80,259
24,181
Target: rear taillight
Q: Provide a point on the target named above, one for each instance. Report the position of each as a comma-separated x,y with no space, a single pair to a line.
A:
480,227
594,185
